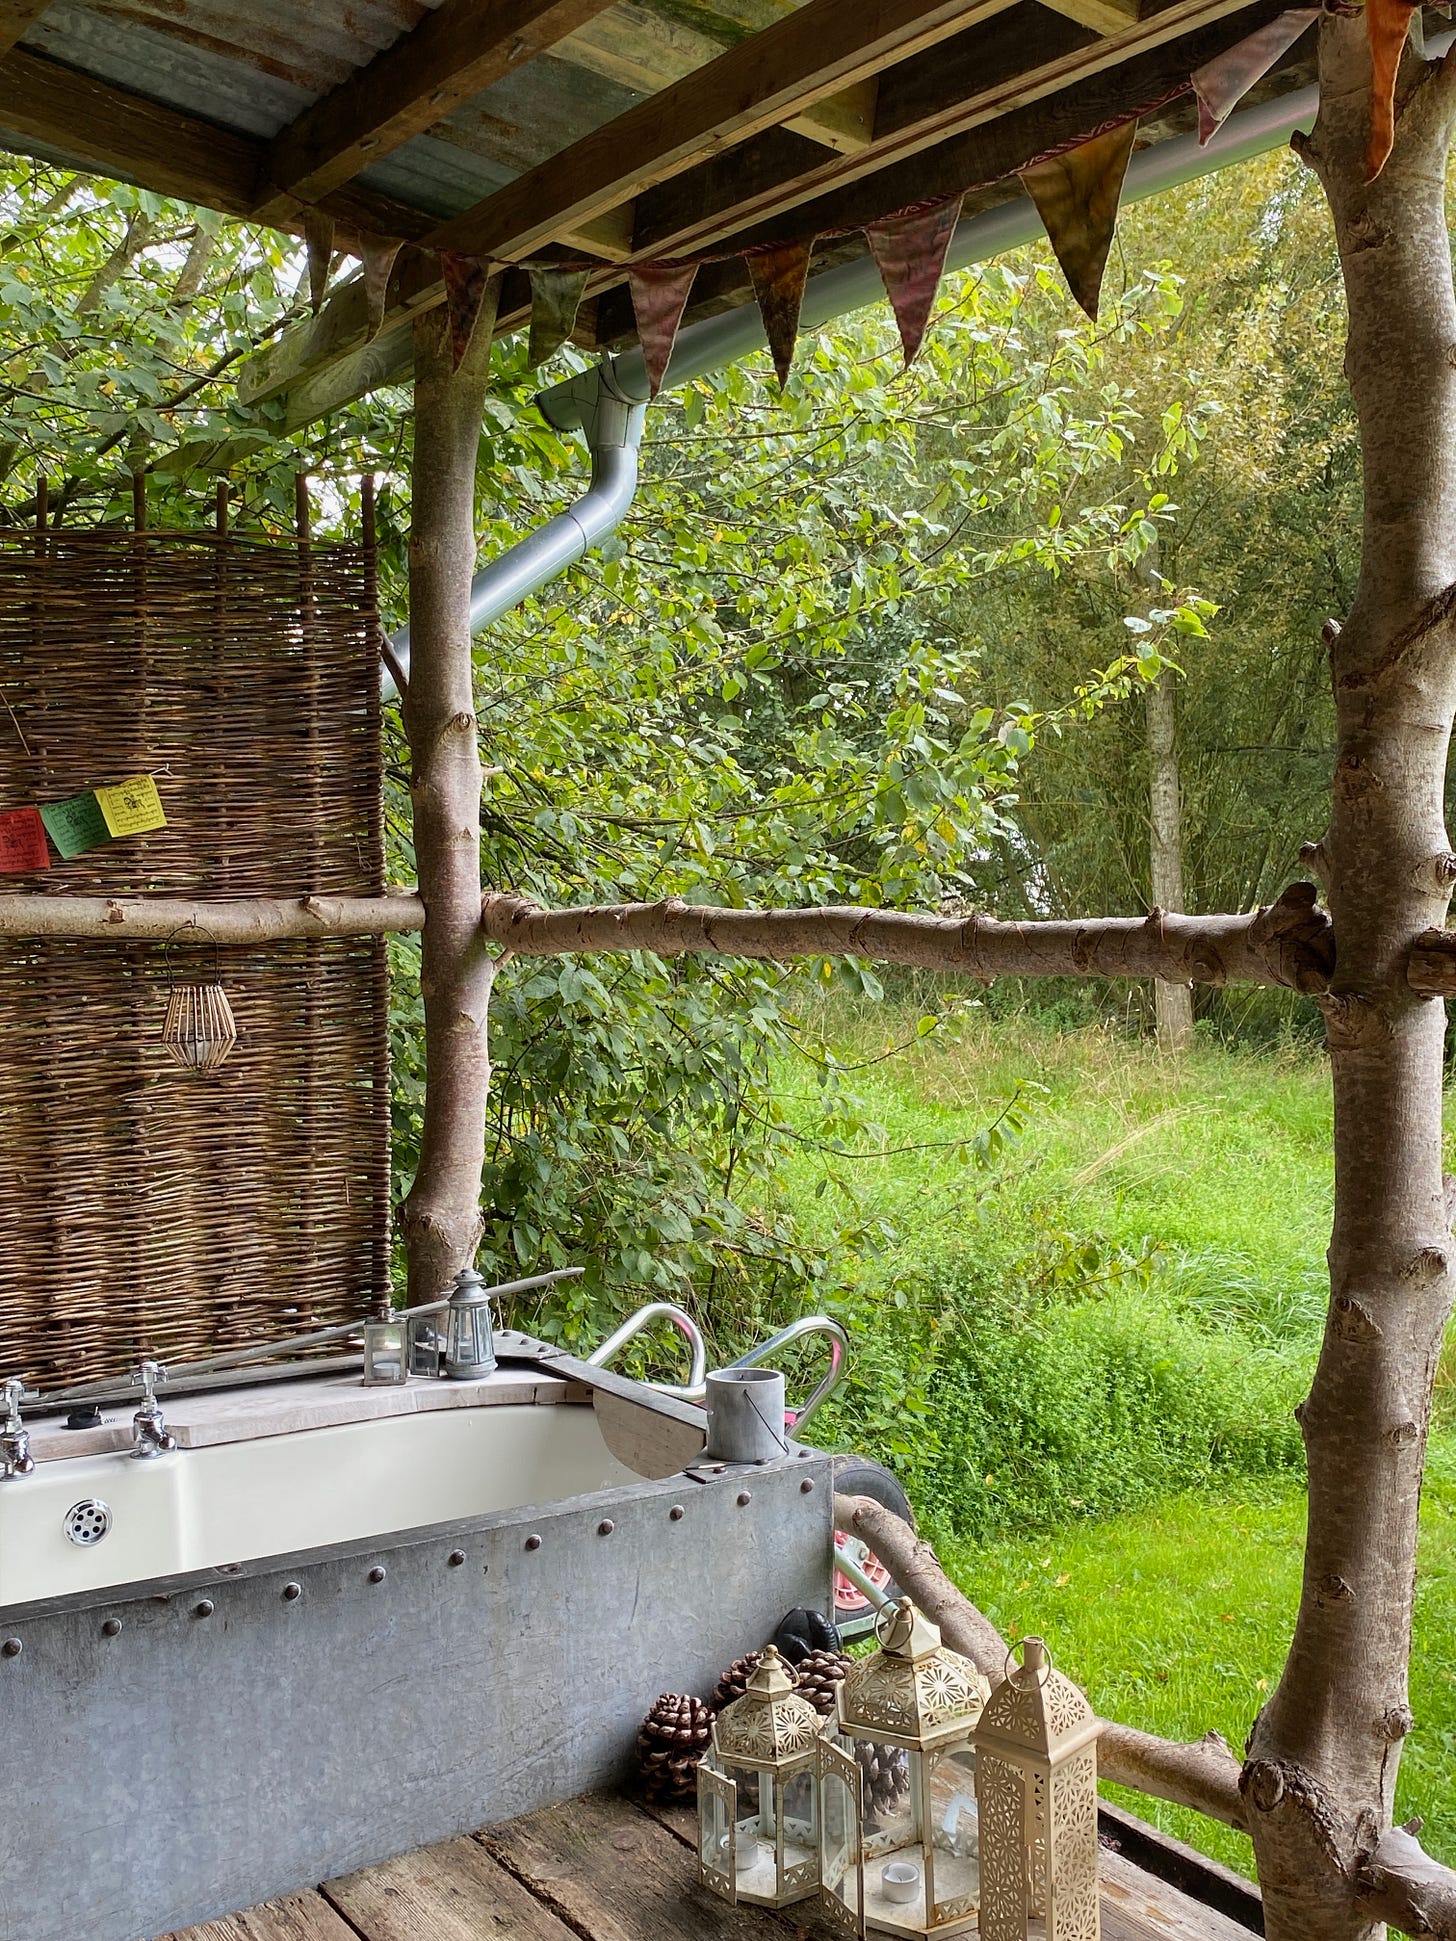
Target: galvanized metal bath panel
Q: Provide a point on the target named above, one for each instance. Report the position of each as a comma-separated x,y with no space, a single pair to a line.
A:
204,1744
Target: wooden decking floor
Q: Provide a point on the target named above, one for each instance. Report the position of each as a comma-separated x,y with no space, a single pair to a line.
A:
604,1869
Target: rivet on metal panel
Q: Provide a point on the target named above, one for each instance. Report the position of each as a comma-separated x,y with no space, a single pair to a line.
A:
744,1499
533,1542
11,1648
676,1513
455,1559
377,1575
806,1486
204,1608
111,1628
292,1592
605,1527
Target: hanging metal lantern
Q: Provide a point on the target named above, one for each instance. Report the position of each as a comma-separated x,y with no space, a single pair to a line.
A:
1036,1787
920,1868
199,1029
758,1793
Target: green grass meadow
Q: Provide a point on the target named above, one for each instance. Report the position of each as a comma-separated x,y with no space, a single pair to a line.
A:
1081,1349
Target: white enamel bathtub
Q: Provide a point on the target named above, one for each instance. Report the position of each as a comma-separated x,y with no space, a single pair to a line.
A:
276,1494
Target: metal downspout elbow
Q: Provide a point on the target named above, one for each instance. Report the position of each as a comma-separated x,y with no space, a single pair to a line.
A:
597,403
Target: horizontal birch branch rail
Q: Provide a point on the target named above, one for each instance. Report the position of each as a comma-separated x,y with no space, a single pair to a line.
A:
1287,942
1399,1882
230,920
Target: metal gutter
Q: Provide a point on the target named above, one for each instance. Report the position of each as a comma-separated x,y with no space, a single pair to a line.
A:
609,401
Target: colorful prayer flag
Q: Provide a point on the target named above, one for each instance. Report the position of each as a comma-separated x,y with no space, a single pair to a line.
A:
1387,22
471,297
22,842
779,276
75,825
659,297
132,807
555,299
909,252
1076,196
1220,84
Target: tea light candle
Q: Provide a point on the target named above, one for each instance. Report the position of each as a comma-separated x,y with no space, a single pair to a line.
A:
750,1853
900,1880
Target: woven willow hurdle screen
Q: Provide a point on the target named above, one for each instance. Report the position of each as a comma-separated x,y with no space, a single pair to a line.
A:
145,1209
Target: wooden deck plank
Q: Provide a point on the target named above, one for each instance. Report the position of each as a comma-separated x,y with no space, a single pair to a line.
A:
614,1874
451,1892
1138,1907
297,1917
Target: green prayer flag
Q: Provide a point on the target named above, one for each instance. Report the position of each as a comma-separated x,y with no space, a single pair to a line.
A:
76,824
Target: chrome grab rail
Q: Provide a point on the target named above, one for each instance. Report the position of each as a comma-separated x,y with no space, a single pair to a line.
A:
696,1386
112,1388
833,1375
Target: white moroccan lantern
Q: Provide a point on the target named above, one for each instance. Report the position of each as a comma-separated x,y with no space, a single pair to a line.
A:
1036,1786
758,1793
915,1700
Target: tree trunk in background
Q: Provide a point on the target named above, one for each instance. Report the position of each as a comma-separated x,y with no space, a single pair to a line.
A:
1165,850
440,1218
1320,1775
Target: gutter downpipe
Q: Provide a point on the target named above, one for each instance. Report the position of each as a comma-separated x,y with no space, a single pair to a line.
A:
609,402
612,418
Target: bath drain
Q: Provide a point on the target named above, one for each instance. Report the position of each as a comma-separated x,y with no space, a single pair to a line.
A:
87,1523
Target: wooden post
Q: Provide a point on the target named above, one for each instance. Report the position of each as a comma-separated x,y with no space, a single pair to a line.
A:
1174,1002
440,1219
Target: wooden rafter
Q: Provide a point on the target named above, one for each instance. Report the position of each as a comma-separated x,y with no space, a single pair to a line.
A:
17,17
450,56
162,148
821,49
1102,16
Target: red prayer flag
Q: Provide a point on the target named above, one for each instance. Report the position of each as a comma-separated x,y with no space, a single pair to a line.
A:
1387,22
22,842
659,297
468,284
909,252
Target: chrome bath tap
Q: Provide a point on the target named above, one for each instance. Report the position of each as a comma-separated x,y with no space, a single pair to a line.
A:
15,1456
150,1435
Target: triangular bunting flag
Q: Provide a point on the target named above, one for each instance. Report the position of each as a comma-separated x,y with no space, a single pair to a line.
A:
1387,22
659,297
778,277
1076,196
555,299
1220,84
467,285
318,233
909,253
377,254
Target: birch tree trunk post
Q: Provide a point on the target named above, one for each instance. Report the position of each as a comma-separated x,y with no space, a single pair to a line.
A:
1173,1002
1319,1778
440,1219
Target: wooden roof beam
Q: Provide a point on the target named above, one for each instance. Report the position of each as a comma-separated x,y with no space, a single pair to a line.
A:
1102,16
822,49
17,17
162,148
455,51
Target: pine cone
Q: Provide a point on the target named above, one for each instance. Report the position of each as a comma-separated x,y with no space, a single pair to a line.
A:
819,1676
885,1773
734,1682
670,1742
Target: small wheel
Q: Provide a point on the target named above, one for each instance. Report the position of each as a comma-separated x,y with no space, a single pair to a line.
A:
857,1476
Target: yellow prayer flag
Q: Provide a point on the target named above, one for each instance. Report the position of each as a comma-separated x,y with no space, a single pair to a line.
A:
132,807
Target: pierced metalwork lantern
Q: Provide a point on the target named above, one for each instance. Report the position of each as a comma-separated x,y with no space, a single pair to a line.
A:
758,1793
199,1029
920,1871
1036,1786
